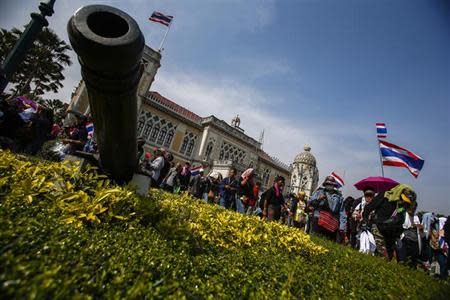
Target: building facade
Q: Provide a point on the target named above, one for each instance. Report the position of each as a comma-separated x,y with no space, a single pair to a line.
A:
206,141
304,173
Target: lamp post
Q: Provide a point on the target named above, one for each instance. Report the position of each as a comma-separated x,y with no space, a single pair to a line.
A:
24,43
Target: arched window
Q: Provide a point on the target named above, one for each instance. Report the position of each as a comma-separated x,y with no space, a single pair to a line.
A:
154,133
208,151
190,148
162,136
169,138
184,145
140,126
147,130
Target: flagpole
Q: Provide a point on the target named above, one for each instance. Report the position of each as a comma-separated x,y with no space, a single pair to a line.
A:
381,159
165,35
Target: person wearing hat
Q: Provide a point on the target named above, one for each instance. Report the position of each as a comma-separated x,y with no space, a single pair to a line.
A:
328,214
389,214
274,200
356,214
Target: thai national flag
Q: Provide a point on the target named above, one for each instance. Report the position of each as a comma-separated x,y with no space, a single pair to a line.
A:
196,170
396,156
381,130
160,18
90,130
338,179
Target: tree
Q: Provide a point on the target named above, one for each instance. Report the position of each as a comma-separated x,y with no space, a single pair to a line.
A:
58,107
41,69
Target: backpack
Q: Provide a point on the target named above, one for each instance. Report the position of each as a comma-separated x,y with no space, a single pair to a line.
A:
394,224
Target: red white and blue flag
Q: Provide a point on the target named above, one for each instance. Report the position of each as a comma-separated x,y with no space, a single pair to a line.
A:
381,130
339,180
161,18
90,130
396,156
196,170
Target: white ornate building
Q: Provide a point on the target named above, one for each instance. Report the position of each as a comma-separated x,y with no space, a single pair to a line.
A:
207,141
304,173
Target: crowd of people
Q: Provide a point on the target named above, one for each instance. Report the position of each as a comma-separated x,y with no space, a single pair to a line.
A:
381,224
378,223
26,126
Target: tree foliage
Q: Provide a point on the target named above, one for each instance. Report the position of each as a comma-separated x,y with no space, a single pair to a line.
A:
41,69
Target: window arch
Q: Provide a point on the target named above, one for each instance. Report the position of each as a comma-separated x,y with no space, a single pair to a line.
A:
190,147
155,129
188,144
169,138
209,149
184,145
162,136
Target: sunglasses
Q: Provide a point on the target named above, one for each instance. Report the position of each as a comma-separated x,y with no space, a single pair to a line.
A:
369,194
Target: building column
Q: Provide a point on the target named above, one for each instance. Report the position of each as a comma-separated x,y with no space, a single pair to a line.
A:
201,148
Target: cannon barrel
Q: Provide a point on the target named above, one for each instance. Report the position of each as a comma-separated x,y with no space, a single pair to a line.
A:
109,45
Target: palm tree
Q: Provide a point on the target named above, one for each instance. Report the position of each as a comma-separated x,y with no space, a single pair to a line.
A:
41,69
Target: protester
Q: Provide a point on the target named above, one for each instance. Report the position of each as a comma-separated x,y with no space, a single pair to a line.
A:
274,200
328,210
168,159
357,215
173,178
350,230
245,191
390,209
185,176
410,241
155,167
212,187
297,215
447,240
437,249
196,185
229,187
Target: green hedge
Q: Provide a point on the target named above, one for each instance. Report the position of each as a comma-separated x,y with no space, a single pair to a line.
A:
65,234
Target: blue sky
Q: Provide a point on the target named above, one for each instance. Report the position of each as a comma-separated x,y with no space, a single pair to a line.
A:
318,72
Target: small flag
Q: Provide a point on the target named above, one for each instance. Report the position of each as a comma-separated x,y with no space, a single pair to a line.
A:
396,156
90,130
160,18
339,180
381,130
196,170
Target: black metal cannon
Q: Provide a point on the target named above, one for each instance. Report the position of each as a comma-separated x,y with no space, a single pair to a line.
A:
109,45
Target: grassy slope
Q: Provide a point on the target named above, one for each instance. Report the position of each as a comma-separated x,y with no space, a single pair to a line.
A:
177,247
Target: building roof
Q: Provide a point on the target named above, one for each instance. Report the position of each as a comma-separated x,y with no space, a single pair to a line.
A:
178,109
273,160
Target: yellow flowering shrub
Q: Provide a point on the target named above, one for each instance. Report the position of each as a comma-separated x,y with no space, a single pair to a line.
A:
230,230
79,197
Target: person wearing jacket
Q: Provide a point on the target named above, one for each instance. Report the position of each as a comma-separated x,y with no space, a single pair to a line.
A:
228,189
274,200
328,201
390,209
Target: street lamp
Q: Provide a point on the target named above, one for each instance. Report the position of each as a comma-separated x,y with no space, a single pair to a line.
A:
24,43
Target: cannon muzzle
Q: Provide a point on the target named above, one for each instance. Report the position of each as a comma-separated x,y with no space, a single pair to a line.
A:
109,45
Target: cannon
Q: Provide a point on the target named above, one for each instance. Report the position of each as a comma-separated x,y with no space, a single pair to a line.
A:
109,45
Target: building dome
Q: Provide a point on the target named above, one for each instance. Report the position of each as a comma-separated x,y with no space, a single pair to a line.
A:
305,157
